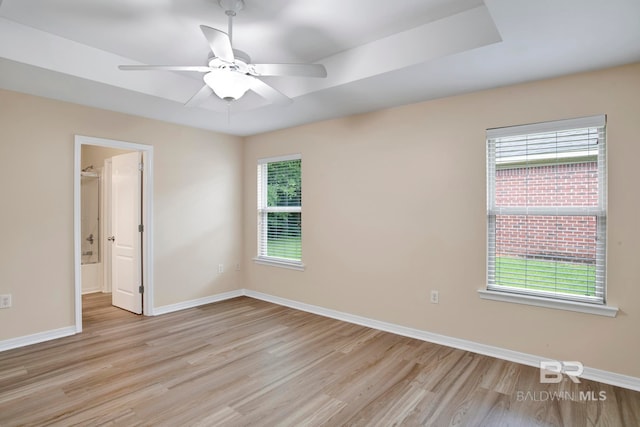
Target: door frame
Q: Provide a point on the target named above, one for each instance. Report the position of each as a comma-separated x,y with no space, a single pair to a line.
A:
105,214
147,215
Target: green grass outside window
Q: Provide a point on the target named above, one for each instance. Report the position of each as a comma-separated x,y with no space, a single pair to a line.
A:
551,276
285,247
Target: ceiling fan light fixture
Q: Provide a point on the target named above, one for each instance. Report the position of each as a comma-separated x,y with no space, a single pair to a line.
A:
230,73
227,84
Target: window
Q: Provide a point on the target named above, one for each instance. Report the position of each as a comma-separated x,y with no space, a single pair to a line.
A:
280,211
547,210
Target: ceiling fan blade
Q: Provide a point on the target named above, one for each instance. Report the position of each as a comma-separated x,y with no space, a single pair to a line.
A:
199,97
198,68
267,92
302,70
219,42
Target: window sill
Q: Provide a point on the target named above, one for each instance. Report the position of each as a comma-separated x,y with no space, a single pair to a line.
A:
277,262
581,307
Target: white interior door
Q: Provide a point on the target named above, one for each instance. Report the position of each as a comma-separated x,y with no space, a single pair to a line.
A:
126,254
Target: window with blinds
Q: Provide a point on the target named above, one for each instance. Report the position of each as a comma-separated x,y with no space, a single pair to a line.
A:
280,209
546,209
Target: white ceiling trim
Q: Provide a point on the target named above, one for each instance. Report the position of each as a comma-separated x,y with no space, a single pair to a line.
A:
378,53
39,48
454,34
447,36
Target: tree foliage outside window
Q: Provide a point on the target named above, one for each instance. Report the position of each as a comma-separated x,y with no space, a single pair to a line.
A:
280,209
284,187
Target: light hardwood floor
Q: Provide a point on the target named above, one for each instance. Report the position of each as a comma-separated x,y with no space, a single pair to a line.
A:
248,362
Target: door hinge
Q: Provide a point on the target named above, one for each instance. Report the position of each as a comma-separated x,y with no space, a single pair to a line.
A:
141,228
140,166
141,289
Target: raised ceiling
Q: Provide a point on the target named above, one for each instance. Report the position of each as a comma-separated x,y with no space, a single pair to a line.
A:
378,53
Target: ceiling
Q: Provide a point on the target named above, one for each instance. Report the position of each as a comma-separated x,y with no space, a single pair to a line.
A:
378,53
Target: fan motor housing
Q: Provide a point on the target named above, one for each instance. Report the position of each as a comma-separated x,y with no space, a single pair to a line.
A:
242,59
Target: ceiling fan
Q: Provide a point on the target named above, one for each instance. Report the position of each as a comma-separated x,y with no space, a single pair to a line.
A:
230,73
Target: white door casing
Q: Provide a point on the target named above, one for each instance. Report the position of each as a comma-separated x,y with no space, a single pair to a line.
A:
147,211
126,216
106,224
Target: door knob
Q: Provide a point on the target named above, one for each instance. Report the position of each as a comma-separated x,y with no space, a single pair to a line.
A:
111,239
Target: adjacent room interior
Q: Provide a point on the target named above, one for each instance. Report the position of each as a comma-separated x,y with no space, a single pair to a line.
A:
319,249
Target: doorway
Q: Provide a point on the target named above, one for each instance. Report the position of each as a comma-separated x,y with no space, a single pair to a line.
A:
138,208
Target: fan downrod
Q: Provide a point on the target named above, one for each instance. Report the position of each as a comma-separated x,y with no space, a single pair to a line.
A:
231,7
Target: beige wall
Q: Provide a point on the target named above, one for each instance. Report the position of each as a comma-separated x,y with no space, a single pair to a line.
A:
95,156
394,206
197,207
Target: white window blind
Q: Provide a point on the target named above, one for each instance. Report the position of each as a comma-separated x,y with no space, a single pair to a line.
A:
546,209
280,209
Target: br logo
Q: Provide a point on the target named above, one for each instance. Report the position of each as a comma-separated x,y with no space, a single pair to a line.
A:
552,371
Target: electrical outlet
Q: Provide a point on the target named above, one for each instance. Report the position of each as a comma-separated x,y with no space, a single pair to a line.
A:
435,297
5,301
220,268
238,267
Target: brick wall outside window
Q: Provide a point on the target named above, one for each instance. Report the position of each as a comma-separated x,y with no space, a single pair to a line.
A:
547,237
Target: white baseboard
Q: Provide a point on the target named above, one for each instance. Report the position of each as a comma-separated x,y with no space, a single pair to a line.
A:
599,375
12,343
71,330
156,311
611,378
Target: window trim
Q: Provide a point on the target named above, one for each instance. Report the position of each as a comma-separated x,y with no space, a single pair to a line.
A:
280,262
559,304
265,259
546,299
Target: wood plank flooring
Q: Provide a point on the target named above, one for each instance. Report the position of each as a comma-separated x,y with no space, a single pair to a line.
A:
245,362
